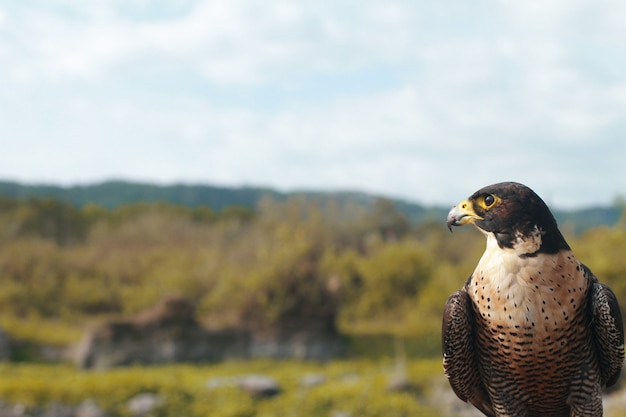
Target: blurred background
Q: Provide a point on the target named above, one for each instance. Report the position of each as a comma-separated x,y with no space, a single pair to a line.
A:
237,209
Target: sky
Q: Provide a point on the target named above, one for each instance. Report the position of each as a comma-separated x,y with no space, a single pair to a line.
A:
420,100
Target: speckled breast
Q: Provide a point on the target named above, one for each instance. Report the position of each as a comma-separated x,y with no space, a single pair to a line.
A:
531,327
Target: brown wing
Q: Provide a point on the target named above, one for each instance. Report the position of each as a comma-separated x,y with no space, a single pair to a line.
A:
459,359
608,330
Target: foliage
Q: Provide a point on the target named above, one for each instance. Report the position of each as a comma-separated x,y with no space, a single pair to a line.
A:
380,277
358,388
602,250
368,269
39,330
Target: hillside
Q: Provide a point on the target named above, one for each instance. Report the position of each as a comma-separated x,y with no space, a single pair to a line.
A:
113,194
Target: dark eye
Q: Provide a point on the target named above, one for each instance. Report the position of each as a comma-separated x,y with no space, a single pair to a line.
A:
489,200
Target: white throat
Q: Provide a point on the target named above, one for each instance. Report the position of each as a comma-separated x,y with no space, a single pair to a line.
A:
517,282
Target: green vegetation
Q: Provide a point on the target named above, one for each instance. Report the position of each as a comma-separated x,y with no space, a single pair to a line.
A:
357,387
62,267
377,274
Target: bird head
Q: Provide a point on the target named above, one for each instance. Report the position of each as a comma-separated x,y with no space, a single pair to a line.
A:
515,215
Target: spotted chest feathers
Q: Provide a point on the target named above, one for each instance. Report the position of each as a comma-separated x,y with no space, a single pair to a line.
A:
540,293
531,325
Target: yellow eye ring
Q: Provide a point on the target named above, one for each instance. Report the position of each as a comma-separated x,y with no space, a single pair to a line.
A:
487,201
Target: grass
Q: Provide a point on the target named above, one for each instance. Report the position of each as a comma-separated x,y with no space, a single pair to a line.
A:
355,387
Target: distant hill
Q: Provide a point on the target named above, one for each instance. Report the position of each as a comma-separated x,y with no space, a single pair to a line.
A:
112,194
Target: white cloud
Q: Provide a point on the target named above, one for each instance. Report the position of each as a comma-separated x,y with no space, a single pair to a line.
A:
420,100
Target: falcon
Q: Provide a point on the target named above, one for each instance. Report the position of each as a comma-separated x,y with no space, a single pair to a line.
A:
532,332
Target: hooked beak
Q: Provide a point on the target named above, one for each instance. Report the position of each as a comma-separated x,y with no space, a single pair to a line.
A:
462,214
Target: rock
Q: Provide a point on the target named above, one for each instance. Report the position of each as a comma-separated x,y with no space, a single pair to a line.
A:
169,332
300,338
89,408
12,410
259,385
312,380
400,383
165,333
443,398
219,382
57,410
142,404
